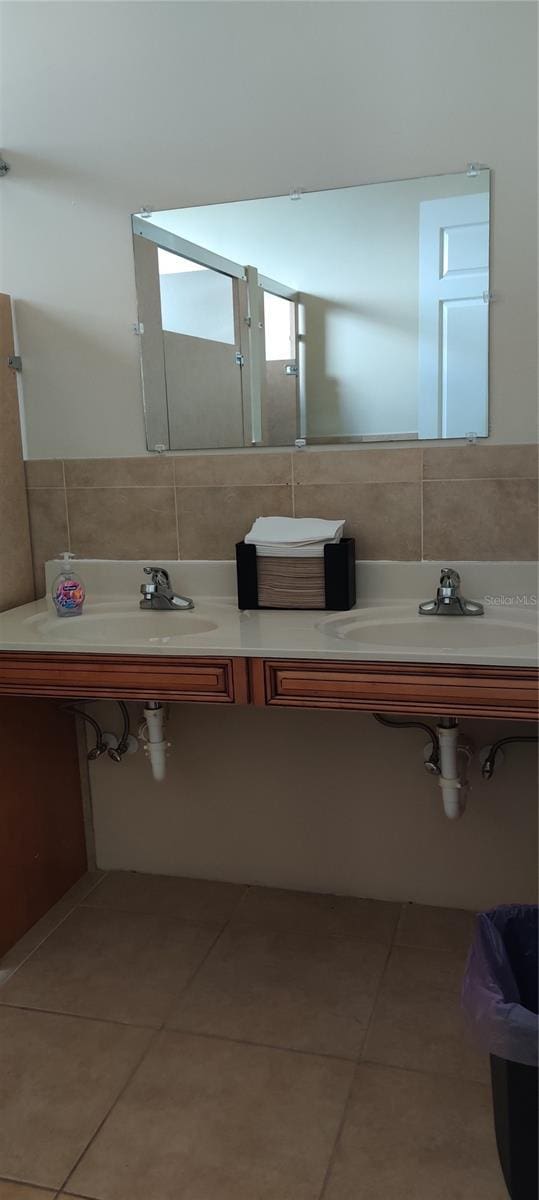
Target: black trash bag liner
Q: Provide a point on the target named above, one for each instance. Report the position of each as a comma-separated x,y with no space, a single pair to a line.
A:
499,993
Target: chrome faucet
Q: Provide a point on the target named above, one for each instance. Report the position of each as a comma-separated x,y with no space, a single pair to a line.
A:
448,601
158,593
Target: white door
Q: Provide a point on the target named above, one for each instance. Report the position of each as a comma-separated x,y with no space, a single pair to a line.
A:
453,316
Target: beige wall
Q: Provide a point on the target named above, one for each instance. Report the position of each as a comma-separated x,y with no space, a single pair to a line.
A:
16,578
100,120
467,502
321,801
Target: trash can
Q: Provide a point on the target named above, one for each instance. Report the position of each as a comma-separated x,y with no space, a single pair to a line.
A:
499,997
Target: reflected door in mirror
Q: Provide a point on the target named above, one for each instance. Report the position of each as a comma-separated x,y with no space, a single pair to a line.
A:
351,314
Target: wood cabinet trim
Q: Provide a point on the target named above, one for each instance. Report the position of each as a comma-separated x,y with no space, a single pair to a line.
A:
128,676
420,688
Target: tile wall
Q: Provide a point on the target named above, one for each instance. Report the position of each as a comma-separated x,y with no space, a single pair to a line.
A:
463,502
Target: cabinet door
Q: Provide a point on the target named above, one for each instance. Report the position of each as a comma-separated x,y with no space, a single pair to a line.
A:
429,688
42,849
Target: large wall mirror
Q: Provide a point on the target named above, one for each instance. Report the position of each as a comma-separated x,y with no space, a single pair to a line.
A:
355,314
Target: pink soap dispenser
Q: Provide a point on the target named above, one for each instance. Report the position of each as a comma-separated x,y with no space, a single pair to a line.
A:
68,590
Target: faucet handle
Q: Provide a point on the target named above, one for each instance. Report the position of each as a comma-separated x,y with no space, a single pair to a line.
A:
159,575
449,578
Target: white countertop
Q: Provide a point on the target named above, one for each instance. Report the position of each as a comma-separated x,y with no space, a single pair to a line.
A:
378,629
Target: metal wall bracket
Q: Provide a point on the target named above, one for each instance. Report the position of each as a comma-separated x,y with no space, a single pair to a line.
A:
239,359
15,362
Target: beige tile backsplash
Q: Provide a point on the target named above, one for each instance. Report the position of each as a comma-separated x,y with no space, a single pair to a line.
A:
251,469
47,510
480,462
44,473
480,519
460,502
384,518
123,522
151,471
212,519
358,466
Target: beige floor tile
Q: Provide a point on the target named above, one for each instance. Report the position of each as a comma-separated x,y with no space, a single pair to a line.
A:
417,1020
198,900
42,928
435,928
58,1078
409,1136
307,912
113,965
304,991
19,1191
205,1119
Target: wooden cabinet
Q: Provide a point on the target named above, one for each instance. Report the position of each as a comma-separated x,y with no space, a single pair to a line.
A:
126,676
42,850
420,688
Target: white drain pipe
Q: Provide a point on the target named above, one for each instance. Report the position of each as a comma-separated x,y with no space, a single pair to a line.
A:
152,734
450,783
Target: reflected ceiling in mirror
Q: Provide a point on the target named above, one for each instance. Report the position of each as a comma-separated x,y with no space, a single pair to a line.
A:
353,314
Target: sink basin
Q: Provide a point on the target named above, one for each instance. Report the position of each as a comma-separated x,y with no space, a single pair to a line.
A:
106,627
397,628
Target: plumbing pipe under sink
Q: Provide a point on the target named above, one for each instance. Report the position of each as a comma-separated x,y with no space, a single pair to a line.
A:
452,786
155,744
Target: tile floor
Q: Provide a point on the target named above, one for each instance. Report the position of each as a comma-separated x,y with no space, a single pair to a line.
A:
176,1039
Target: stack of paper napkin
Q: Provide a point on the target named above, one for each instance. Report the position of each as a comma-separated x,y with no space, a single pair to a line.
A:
293,537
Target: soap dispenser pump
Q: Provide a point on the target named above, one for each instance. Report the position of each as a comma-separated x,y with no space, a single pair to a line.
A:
68,590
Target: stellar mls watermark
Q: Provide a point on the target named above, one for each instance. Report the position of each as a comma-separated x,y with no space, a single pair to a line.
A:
516,600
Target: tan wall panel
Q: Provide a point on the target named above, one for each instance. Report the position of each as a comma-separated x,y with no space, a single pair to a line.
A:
16,578
204,393
325,801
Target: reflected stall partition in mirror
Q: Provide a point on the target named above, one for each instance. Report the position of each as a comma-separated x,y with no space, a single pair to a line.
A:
353,314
